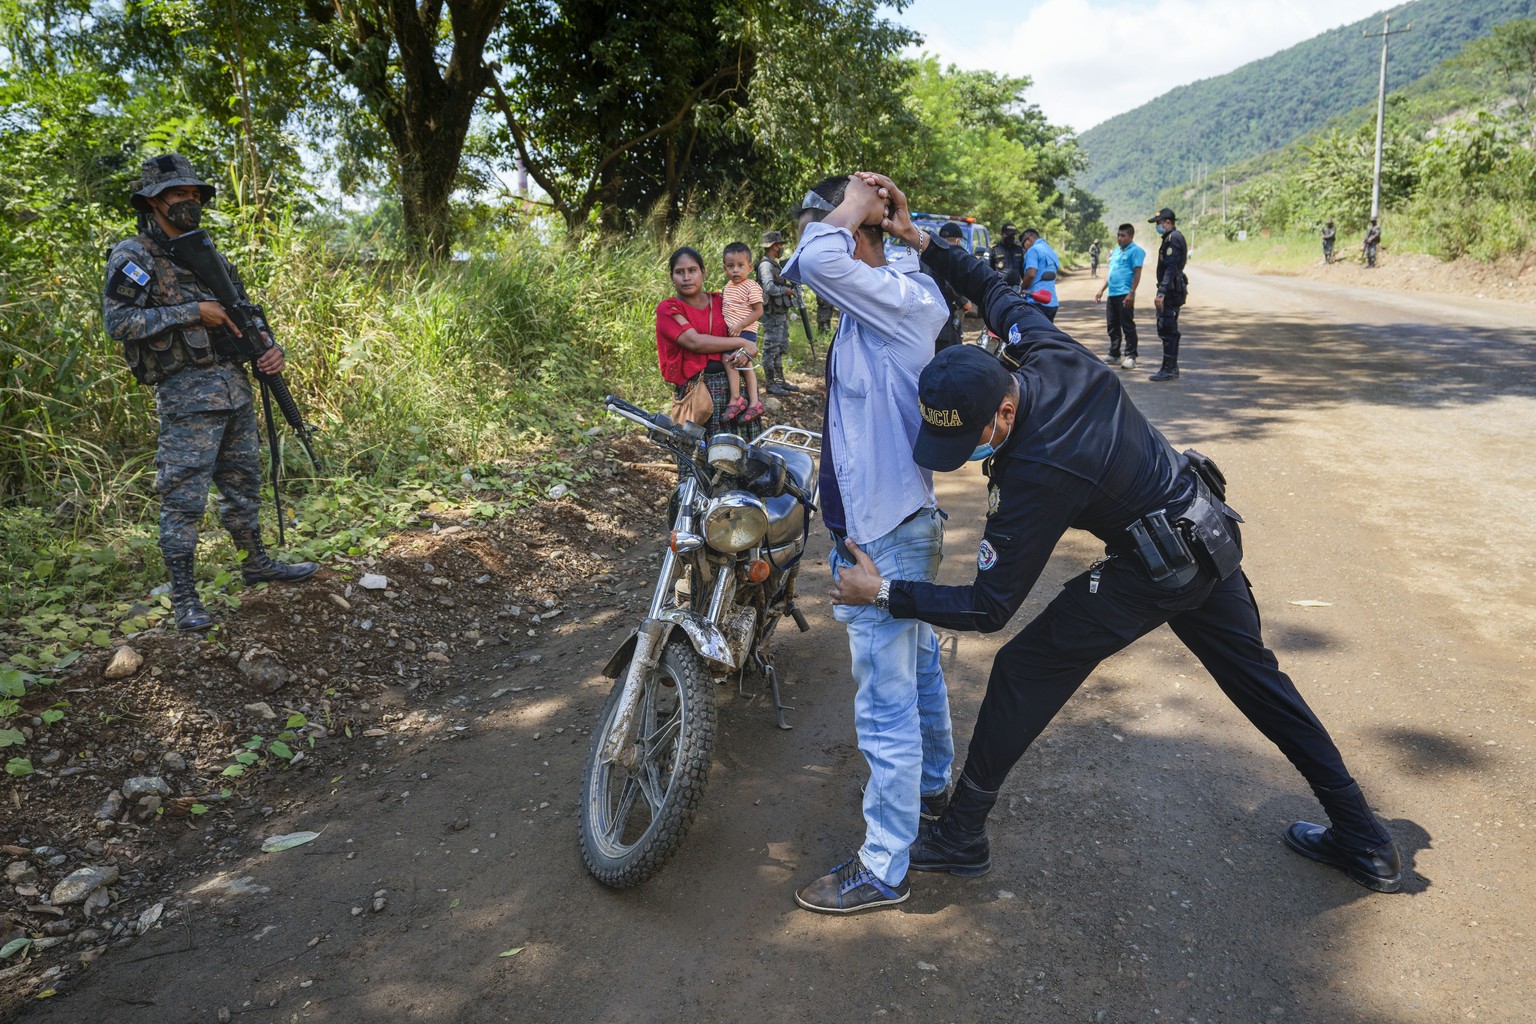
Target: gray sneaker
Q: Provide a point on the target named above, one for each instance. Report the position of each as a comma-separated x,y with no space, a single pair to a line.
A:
1128,363
848,887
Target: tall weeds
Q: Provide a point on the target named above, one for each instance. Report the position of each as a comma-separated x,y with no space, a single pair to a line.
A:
413,372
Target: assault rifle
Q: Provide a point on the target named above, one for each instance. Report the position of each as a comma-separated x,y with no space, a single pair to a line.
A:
805,320
195,251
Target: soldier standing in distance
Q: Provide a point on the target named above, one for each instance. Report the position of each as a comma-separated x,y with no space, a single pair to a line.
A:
173,336
824,313
1329,234
1172,287
777,294
1372,240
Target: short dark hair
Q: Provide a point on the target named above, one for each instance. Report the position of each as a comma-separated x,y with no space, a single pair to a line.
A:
1032,231
681,251
737,247
832,189
1129,229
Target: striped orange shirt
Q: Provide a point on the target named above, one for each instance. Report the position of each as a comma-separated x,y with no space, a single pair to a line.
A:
738,304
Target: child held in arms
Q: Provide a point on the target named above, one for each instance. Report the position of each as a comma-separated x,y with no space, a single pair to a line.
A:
743,302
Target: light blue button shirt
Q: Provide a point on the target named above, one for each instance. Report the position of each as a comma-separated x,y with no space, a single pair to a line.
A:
885,336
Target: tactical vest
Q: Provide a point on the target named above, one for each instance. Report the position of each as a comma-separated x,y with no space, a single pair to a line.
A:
772,303
156,358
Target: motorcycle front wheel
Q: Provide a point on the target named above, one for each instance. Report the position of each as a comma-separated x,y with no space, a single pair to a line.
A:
634,819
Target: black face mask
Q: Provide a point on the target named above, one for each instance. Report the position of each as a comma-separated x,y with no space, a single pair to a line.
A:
185,215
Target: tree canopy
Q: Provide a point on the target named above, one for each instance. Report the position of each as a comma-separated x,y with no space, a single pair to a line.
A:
618,110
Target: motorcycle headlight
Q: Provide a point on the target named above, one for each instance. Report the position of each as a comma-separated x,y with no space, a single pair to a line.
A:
735,521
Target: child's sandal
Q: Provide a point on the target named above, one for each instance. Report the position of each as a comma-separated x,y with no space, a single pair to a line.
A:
752,412
736,408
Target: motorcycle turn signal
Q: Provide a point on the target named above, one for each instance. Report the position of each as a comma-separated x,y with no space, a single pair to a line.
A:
682,543
758,570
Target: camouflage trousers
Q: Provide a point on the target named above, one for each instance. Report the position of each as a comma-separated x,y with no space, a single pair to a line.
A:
199,448
824,311
775,344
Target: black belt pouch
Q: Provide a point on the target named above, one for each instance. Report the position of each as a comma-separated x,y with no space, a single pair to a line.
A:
1212,531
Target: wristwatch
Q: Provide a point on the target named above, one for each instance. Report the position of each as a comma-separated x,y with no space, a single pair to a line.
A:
883,597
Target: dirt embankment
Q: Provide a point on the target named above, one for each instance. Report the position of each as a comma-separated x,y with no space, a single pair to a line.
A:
1510,280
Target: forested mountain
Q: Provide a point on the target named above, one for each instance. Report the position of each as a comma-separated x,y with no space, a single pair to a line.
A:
1268,103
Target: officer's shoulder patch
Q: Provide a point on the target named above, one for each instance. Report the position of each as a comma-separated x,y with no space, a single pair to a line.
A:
986,556
1013,334
994,499
128,283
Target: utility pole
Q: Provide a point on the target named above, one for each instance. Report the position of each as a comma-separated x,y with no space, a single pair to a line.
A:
1381,105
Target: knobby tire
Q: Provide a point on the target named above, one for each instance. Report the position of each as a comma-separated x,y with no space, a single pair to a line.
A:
620,847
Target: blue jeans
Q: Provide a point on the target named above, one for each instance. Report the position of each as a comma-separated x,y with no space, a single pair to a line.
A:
901,707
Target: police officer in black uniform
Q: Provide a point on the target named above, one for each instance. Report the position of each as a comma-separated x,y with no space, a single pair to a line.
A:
1065,448
1172,290
952,333
1010,254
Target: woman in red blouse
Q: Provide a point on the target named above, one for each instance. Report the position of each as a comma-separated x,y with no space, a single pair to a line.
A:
692,339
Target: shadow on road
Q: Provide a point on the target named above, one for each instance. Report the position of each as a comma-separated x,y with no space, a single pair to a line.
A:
1245,373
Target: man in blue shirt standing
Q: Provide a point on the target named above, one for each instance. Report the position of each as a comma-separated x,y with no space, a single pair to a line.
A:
1041,265
1121,282
874,498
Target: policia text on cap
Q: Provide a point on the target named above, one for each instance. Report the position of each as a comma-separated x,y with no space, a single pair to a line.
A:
1066,448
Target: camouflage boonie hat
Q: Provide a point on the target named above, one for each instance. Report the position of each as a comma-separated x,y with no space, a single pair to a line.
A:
168,171
772,237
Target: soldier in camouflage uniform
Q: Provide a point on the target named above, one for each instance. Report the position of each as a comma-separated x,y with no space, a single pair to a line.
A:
171,330
778,295
824,313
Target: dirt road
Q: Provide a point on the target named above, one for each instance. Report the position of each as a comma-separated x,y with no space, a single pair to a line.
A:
1380,446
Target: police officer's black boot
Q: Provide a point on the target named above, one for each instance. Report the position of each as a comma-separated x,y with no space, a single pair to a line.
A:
957,842
260,567
190,614
1357,844
1169,371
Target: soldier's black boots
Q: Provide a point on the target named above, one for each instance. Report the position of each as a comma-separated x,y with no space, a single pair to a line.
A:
260,567
957,842
1357,844
189,611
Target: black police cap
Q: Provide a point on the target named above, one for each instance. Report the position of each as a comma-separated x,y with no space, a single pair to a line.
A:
958,394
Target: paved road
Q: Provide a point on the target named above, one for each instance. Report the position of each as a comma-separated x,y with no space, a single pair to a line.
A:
1380,446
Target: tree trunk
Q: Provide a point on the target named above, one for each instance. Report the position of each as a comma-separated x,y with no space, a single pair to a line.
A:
425,108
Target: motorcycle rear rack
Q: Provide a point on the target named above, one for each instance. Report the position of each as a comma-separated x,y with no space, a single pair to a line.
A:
808,441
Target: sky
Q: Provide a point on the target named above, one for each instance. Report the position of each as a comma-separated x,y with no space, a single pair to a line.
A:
1093,59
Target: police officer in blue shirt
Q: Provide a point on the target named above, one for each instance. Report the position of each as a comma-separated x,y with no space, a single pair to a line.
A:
1065,448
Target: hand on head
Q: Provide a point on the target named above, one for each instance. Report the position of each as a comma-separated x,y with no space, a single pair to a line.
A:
897,216
867,197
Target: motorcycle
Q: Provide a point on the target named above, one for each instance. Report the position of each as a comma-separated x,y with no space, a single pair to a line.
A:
738,522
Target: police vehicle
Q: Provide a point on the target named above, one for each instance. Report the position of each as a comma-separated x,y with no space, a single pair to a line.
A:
975,237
